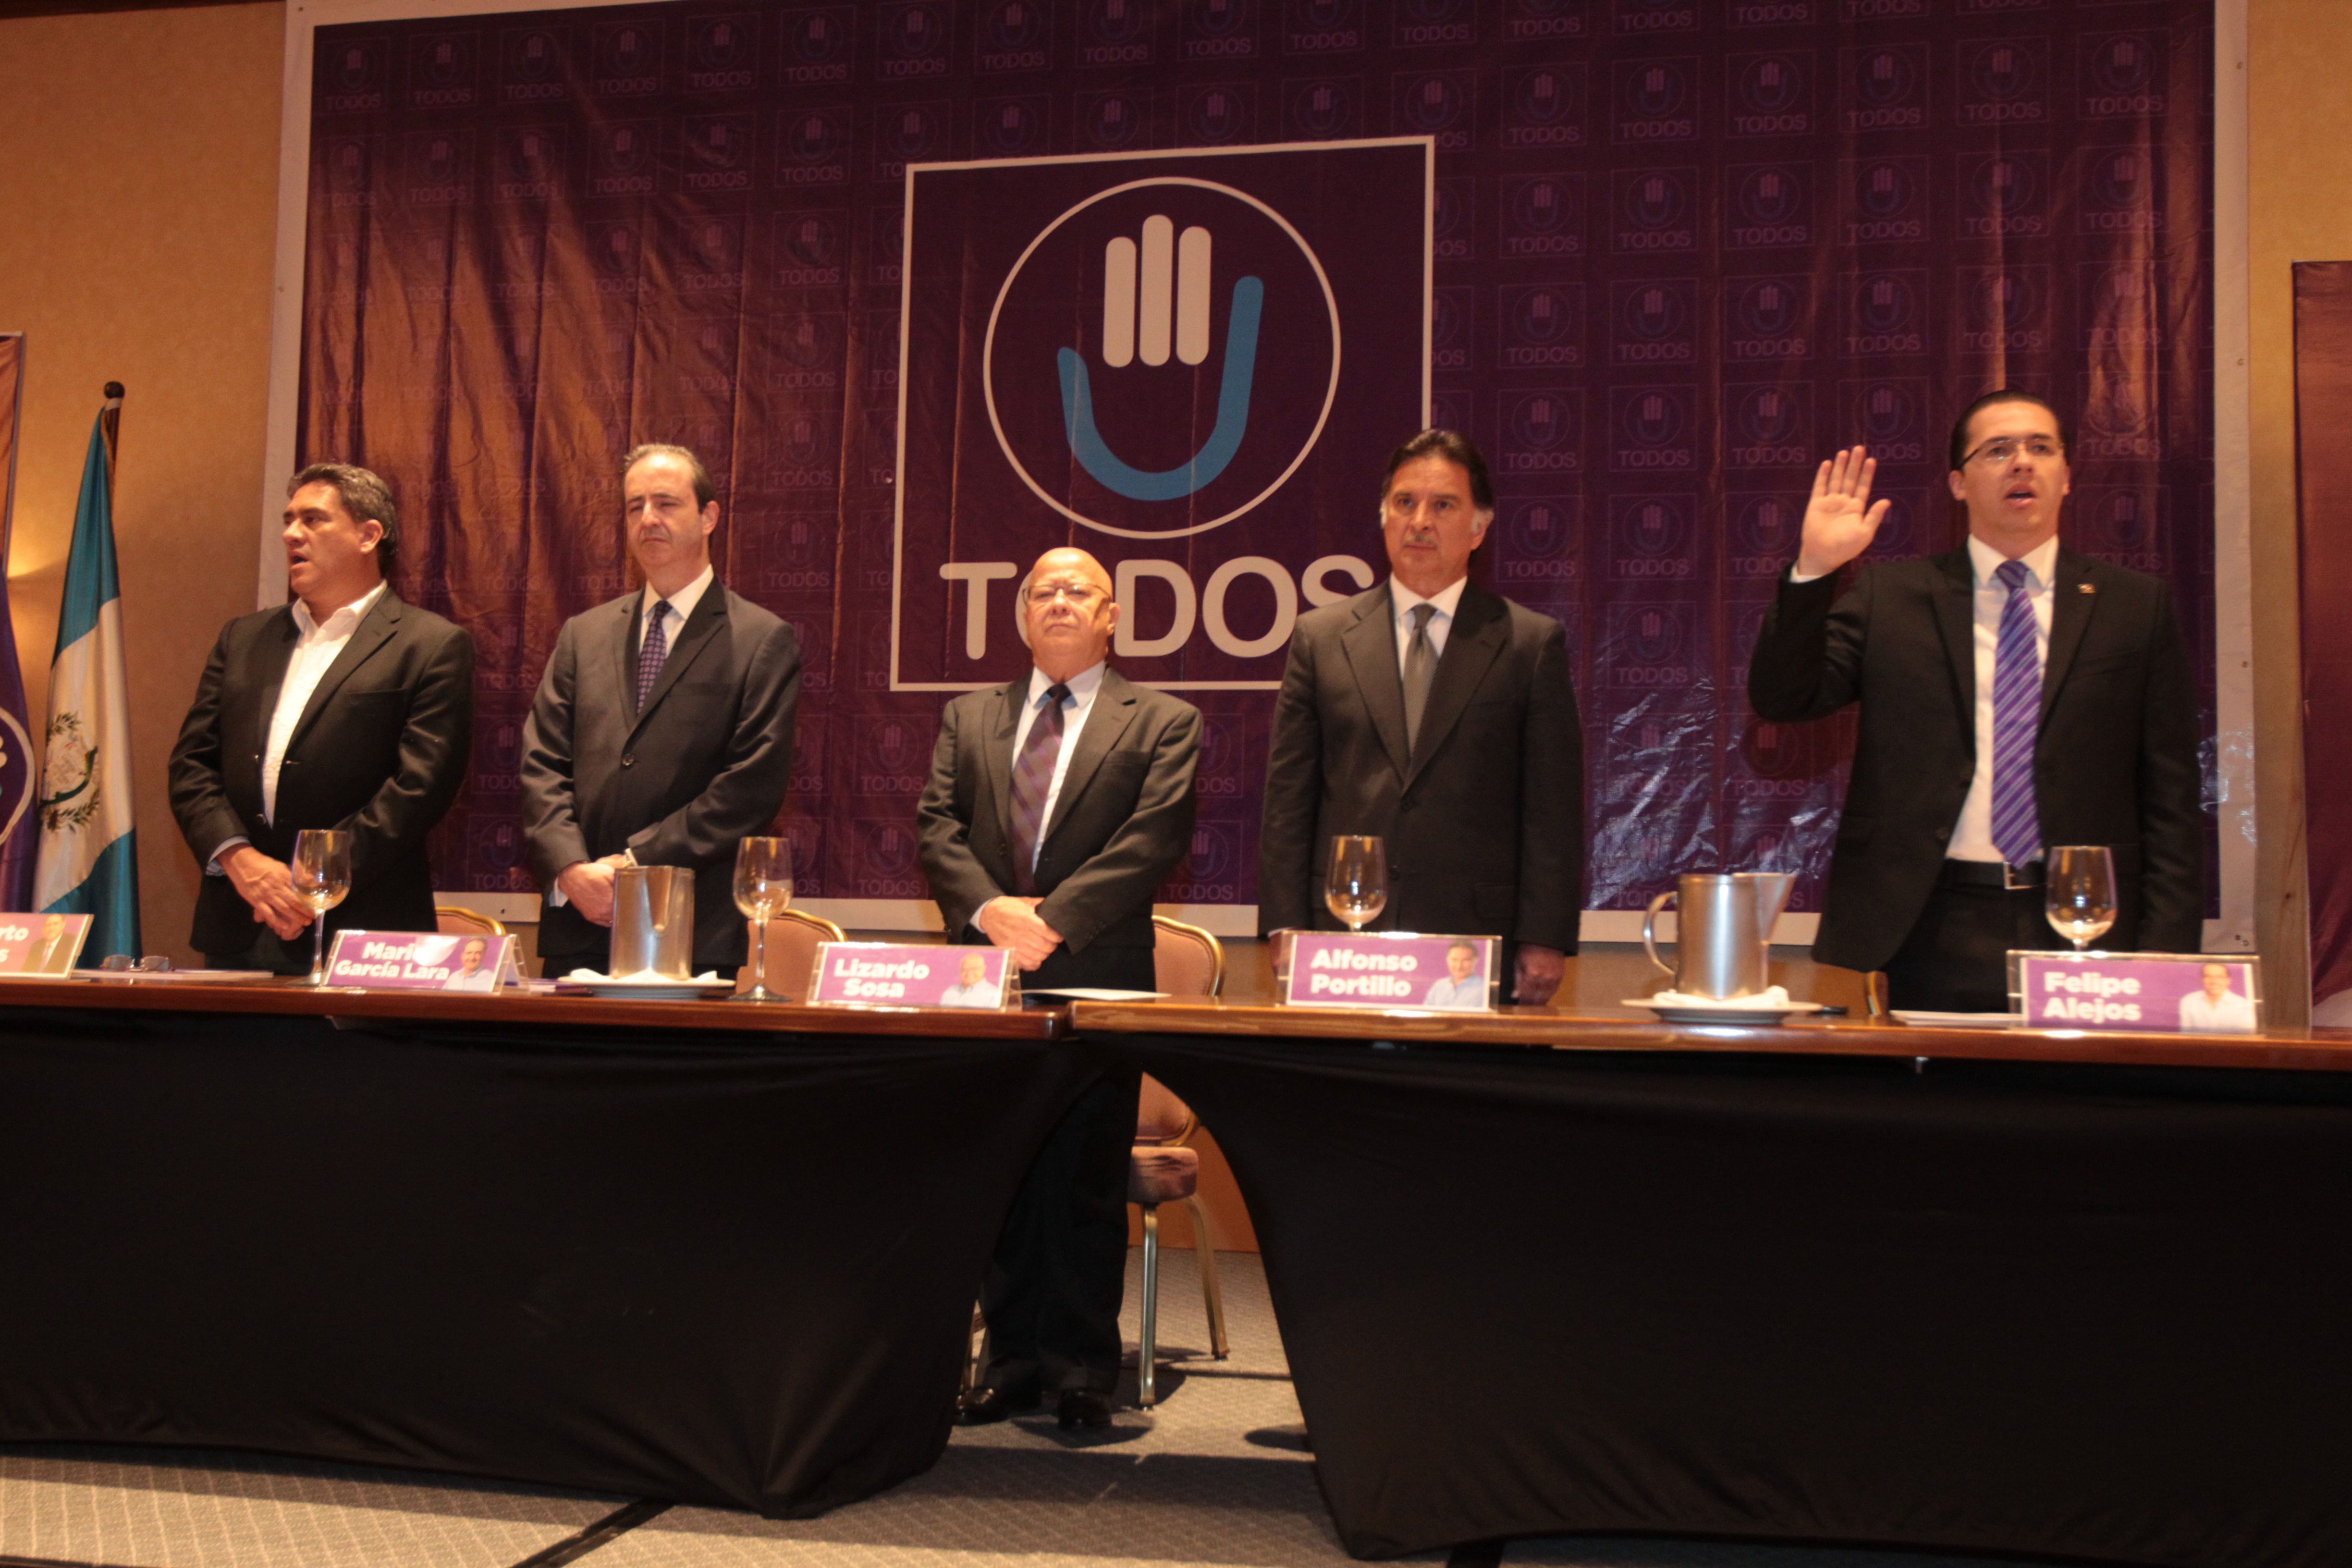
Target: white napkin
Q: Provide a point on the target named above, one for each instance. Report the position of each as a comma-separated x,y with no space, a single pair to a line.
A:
642,977
1776,1000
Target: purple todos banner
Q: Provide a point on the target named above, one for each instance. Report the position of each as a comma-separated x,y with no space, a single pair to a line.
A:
935,286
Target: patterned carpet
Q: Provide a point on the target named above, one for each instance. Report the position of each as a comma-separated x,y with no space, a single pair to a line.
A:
1215,1475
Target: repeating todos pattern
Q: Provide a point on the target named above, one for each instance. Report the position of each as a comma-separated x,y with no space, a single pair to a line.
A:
1683,247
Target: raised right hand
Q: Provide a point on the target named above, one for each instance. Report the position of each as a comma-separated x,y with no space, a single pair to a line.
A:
1840,521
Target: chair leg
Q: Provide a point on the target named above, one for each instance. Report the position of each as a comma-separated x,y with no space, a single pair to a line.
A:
1145,1383
1212,1295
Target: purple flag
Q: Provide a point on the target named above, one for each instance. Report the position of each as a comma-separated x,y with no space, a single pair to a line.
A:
17,771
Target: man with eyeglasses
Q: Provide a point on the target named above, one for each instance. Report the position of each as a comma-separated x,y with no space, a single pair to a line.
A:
2014,694
1058,803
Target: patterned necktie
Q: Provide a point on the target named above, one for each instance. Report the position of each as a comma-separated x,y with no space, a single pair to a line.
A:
1420,672
654,649
1033,776
2016,717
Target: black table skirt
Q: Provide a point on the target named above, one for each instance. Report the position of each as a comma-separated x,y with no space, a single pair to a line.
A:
732,1269
2088,1312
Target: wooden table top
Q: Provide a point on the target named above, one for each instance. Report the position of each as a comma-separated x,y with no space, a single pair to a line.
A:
292,997
1548,1028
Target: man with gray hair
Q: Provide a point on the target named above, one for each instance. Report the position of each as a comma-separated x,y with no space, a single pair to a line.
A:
344,708
662,734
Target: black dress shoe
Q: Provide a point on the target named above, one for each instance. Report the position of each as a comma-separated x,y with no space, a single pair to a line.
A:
979,1406
1084,1408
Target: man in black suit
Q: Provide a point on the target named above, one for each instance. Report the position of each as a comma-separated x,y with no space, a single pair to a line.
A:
1439,717
662,734
345,709
1056,805
2014,694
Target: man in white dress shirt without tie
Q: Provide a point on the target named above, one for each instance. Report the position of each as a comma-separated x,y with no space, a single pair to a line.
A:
2217,1009
2014,694
1461,985
345,708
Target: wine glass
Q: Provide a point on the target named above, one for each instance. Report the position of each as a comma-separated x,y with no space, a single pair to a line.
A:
1358,888
321,874
2081,891
763,885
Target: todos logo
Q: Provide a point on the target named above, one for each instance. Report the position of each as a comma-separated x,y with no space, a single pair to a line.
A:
1126,365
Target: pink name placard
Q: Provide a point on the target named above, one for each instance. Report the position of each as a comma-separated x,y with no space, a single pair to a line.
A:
41,945
1392,970
420,961
888,974
2196,994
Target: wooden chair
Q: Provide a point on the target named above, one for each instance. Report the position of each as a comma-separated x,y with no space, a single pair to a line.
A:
1186,961
793,937
453,920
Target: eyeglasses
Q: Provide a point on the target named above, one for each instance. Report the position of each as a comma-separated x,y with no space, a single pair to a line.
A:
1995,453
1080,595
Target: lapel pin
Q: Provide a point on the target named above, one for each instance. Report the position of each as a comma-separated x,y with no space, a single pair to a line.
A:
2086,587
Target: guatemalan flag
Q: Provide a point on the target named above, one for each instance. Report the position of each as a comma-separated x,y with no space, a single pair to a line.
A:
89,861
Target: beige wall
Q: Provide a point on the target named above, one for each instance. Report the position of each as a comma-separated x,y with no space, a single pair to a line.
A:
143,148
140,151
2299,66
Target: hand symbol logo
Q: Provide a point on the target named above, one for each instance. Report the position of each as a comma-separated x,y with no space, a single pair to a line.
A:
1154,295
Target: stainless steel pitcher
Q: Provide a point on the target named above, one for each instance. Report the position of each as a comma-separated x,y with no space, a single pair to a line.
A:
652,921
1722,946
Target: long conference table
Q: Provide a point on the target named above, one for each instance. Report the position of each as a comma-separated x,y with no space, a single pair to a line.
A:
2055,1294
2058,1294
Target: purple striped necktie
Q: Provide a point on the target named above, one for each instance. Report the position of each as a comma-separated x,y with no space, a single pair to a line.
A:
2016,717
652,651
1033,777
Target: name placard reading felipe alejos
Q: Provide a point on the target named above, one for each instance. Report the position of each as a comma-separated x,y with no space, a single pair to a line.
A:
886,974
421,961
2154,992
1387,969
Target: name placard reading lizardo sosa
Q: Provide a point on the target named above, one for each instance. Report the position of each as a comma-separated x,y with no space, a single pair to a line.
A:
885,974
1389,970
421,961
2189,992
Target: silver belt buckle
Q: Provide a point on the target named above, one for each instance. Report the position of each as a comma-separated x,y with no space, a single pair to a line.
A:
2013,878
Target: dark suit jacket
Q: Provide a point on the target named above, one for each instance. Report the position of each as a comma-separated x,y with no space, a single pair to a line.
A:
380,749
1483,820
680,783
2115,763
1122,821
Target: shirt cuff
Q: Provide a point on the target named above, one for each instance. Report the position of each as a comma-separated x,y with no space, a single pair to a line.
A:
212,866
1796,576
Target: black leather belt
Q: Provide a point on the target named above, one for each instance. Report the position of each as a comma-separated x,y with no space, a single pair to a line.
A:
1990,874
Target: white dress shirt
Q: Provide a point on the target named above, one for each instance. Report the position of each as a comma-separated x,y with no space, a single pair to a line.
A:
681,606
1447,992
314,653
1074,707
1440,625
2231,1014
1972,834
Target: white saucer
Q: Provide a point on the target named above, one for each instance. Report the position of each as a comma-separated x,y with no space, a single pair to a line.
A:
1728,1012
